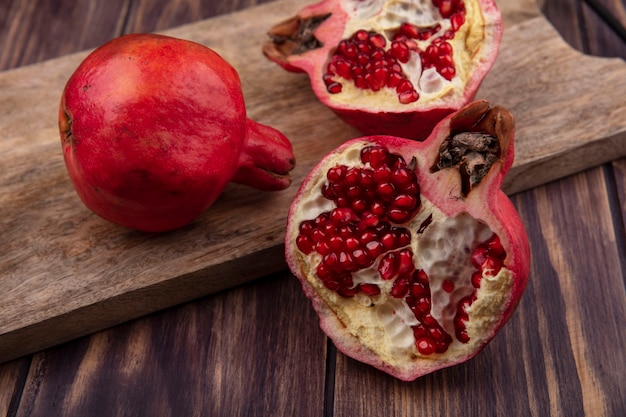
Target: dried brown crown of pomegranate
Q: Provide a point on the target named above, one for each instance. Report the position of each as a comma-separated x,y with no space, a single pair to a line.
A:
393,67
412,255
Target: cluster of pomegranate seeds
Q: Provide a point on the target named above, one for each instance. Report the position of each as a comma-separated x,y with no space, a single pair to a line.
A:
413,285
372,62
368,200
488,259
363,231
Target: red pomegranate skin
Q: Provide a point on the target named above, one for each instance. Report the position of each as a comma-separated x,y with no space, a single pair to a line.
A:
485,202
154,127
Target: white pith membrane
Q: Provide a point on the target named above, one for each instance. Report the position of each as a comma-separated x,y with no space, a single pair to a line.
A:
382,323
385,17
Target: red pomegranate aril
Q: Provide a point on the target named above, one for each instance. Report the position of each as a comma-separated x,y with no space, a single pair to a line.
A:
388,240
447,72
425,346
408,96
369,289
491,266
419,290
477,276
457,20
422,306
400,287
387,266
334,88
405,261
462,336
409,30
495,247
346,262
448,285
304,244
374,248
400,51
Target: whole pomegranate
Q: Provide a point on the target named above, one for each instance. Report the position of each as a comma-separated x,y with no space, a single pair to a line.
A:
394,67
154,127
412,255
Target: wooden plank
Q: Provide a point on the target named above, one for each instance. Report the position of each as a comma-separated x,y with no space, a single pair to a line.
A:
563,14
12,377
602,39
81,25
67,273
552,358
252,351
145,17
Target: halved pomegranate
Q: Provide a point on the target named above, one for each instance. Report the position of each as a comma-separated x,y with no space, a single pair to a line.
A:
394,67
412,255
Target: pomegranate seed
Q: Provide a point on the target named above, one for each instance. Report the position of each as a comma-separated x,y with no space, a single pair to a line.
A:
425,346
477,276
400,287
491,266
420,331
421,277
346,262
377,209
331,260
323,248
495,247
374,249
429,321
361,35
351,51
359,81
398,216
437,333
448,285
403,237
387,266
304,244
372,82
369,289
388,240
363,48
445,8
334,88
347,292
385,191
405,201
378,55
405,261
409,30
408,96
423,306
419,290
462,336
394,79
445,48
400,51
378,40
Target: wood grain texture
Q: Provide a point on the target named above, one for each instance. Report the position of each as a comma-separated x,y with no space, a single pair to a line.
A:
602,40
229,355
557,353
12,377
35,31
69,273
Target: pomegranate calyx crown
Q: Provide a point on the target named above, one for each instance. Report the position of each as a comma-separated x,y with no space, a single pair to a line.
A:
479,137
293,36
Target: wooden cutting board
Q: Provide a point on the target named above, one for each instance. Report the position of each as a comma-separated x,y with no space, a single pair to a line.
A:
64,272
